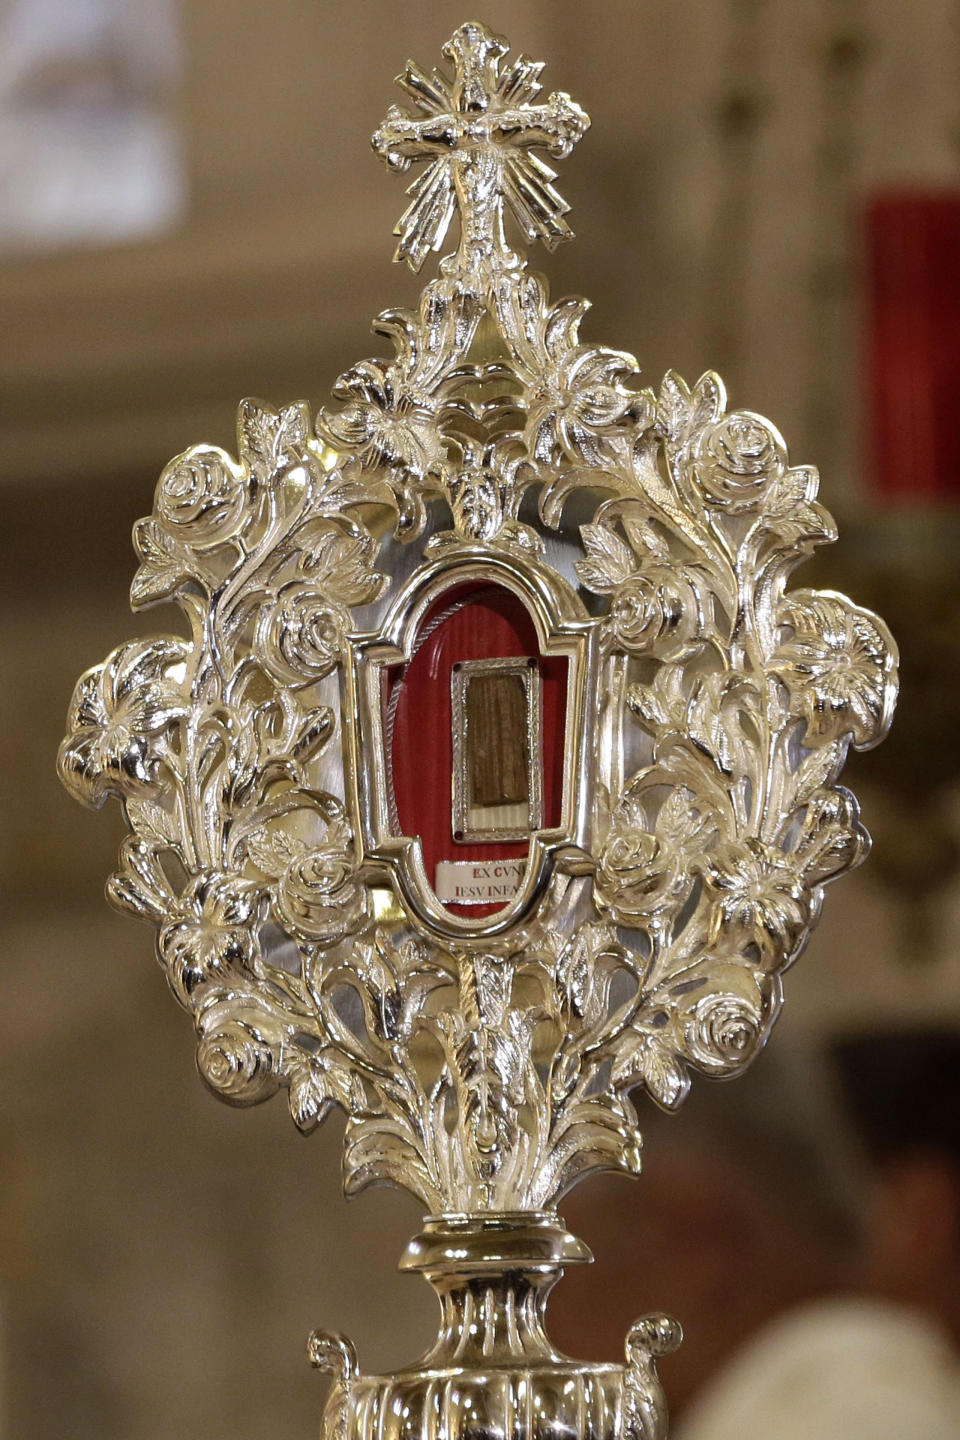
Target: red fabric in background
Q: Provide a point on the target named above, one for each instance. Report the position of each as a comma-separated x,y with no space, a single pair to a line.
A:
495,625
914,339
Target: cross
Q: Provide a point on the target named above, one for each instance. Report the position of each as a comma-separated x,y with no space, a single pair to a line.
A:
478,132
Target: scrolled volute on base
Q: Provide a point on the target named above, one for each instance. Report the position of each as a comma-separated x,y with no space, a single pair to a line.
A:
492,1370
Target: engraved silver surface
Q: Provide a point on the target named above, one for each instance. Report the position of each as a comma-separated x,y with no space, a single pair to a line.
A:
485,1064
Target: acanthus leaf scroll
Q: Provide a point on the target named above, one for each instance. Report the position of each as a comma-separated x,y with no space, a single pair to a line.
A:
485,1073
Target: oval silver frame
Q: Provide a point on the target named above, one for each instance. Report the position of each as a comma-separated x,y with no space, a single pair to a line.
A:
563,628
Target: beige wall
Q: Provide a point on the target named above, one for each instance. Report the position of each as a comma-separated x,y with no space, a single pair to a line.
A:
716,200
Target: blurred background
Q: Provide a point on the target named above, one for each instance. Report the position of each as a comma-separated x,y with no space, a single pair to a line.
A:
190,213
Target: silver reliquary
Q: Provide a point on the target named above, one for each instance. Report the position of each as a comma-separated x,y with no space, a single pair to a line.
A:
492,782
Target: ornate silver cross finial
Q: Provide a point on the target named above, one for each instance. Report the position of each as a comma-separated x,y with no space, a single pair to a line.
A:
478,132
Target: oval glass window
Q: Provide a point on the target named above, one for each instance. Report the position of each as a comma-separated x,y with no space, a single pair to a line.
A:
474,731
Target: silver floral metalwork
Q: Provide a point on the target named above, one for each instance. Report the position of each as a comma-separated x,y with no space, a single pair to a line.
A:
488,1064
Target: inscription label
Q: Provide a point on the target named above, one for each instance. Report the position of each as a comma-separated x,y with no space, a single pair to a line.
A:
478,882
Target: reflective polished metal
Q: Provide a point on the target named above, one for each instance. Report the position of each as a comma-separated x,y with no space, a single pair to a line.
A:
662,789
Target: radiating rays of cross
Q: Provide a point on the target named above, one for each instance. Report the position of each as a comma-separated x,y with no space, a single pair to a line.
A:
478,132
